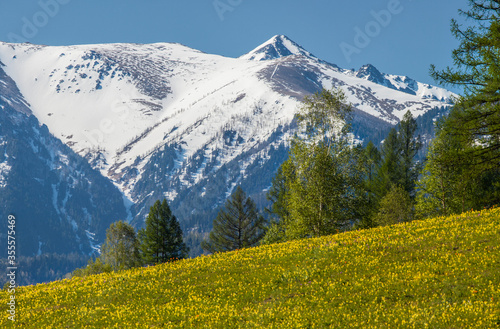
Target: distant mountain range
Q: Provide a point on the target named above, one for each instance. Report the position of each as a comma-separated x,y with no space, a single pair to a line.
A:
96,133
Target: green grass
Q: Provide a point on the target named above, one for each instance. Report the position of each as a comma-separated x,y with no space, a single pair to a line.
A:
437,273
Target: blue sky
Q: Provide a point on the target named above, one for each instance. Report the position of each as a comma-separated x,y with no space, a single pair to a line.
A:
397,36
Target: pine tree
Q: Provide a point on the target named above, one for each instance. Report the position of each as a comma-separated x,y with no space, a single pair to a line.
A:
390,172
161,240
409,146
121,249
371,160
399,150
238,225
278,196
277,193
475,118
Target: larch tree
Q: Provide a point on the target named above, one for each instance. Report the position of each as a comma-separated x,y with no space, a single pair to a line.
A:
463,168
121,248
322,188
475,118
395,207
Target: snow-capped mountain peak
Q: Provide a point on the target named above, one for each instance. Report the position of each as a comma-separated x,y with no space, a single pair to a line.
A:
370,73
396,82
404,84
276,47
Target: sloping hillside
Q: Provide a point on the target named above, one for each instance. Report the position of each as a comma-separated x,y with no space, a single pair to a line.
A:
438,273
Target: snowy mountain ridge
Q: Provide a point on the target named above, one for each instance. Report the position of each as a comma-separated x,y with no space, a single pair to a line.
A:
402,83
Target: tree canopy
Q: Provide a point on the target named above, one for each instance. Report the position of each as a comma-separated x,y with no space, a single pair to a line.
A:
121,249
161,239
395,207
475,118
238,225
462,168
319,189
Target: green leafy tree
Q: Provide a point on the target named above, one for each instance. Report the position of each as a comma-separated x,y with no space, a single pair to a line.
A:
328,193
161,240
475,118
121,249
238,225
448,184
325,115
94,266
395,207
321,189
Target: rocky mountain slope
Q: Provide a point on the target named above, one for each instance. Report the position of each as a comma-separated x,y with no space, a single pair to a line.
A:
61,204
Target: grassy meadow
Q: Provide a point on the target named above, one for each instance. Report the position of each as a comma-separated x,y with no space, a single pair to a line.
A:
438,273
